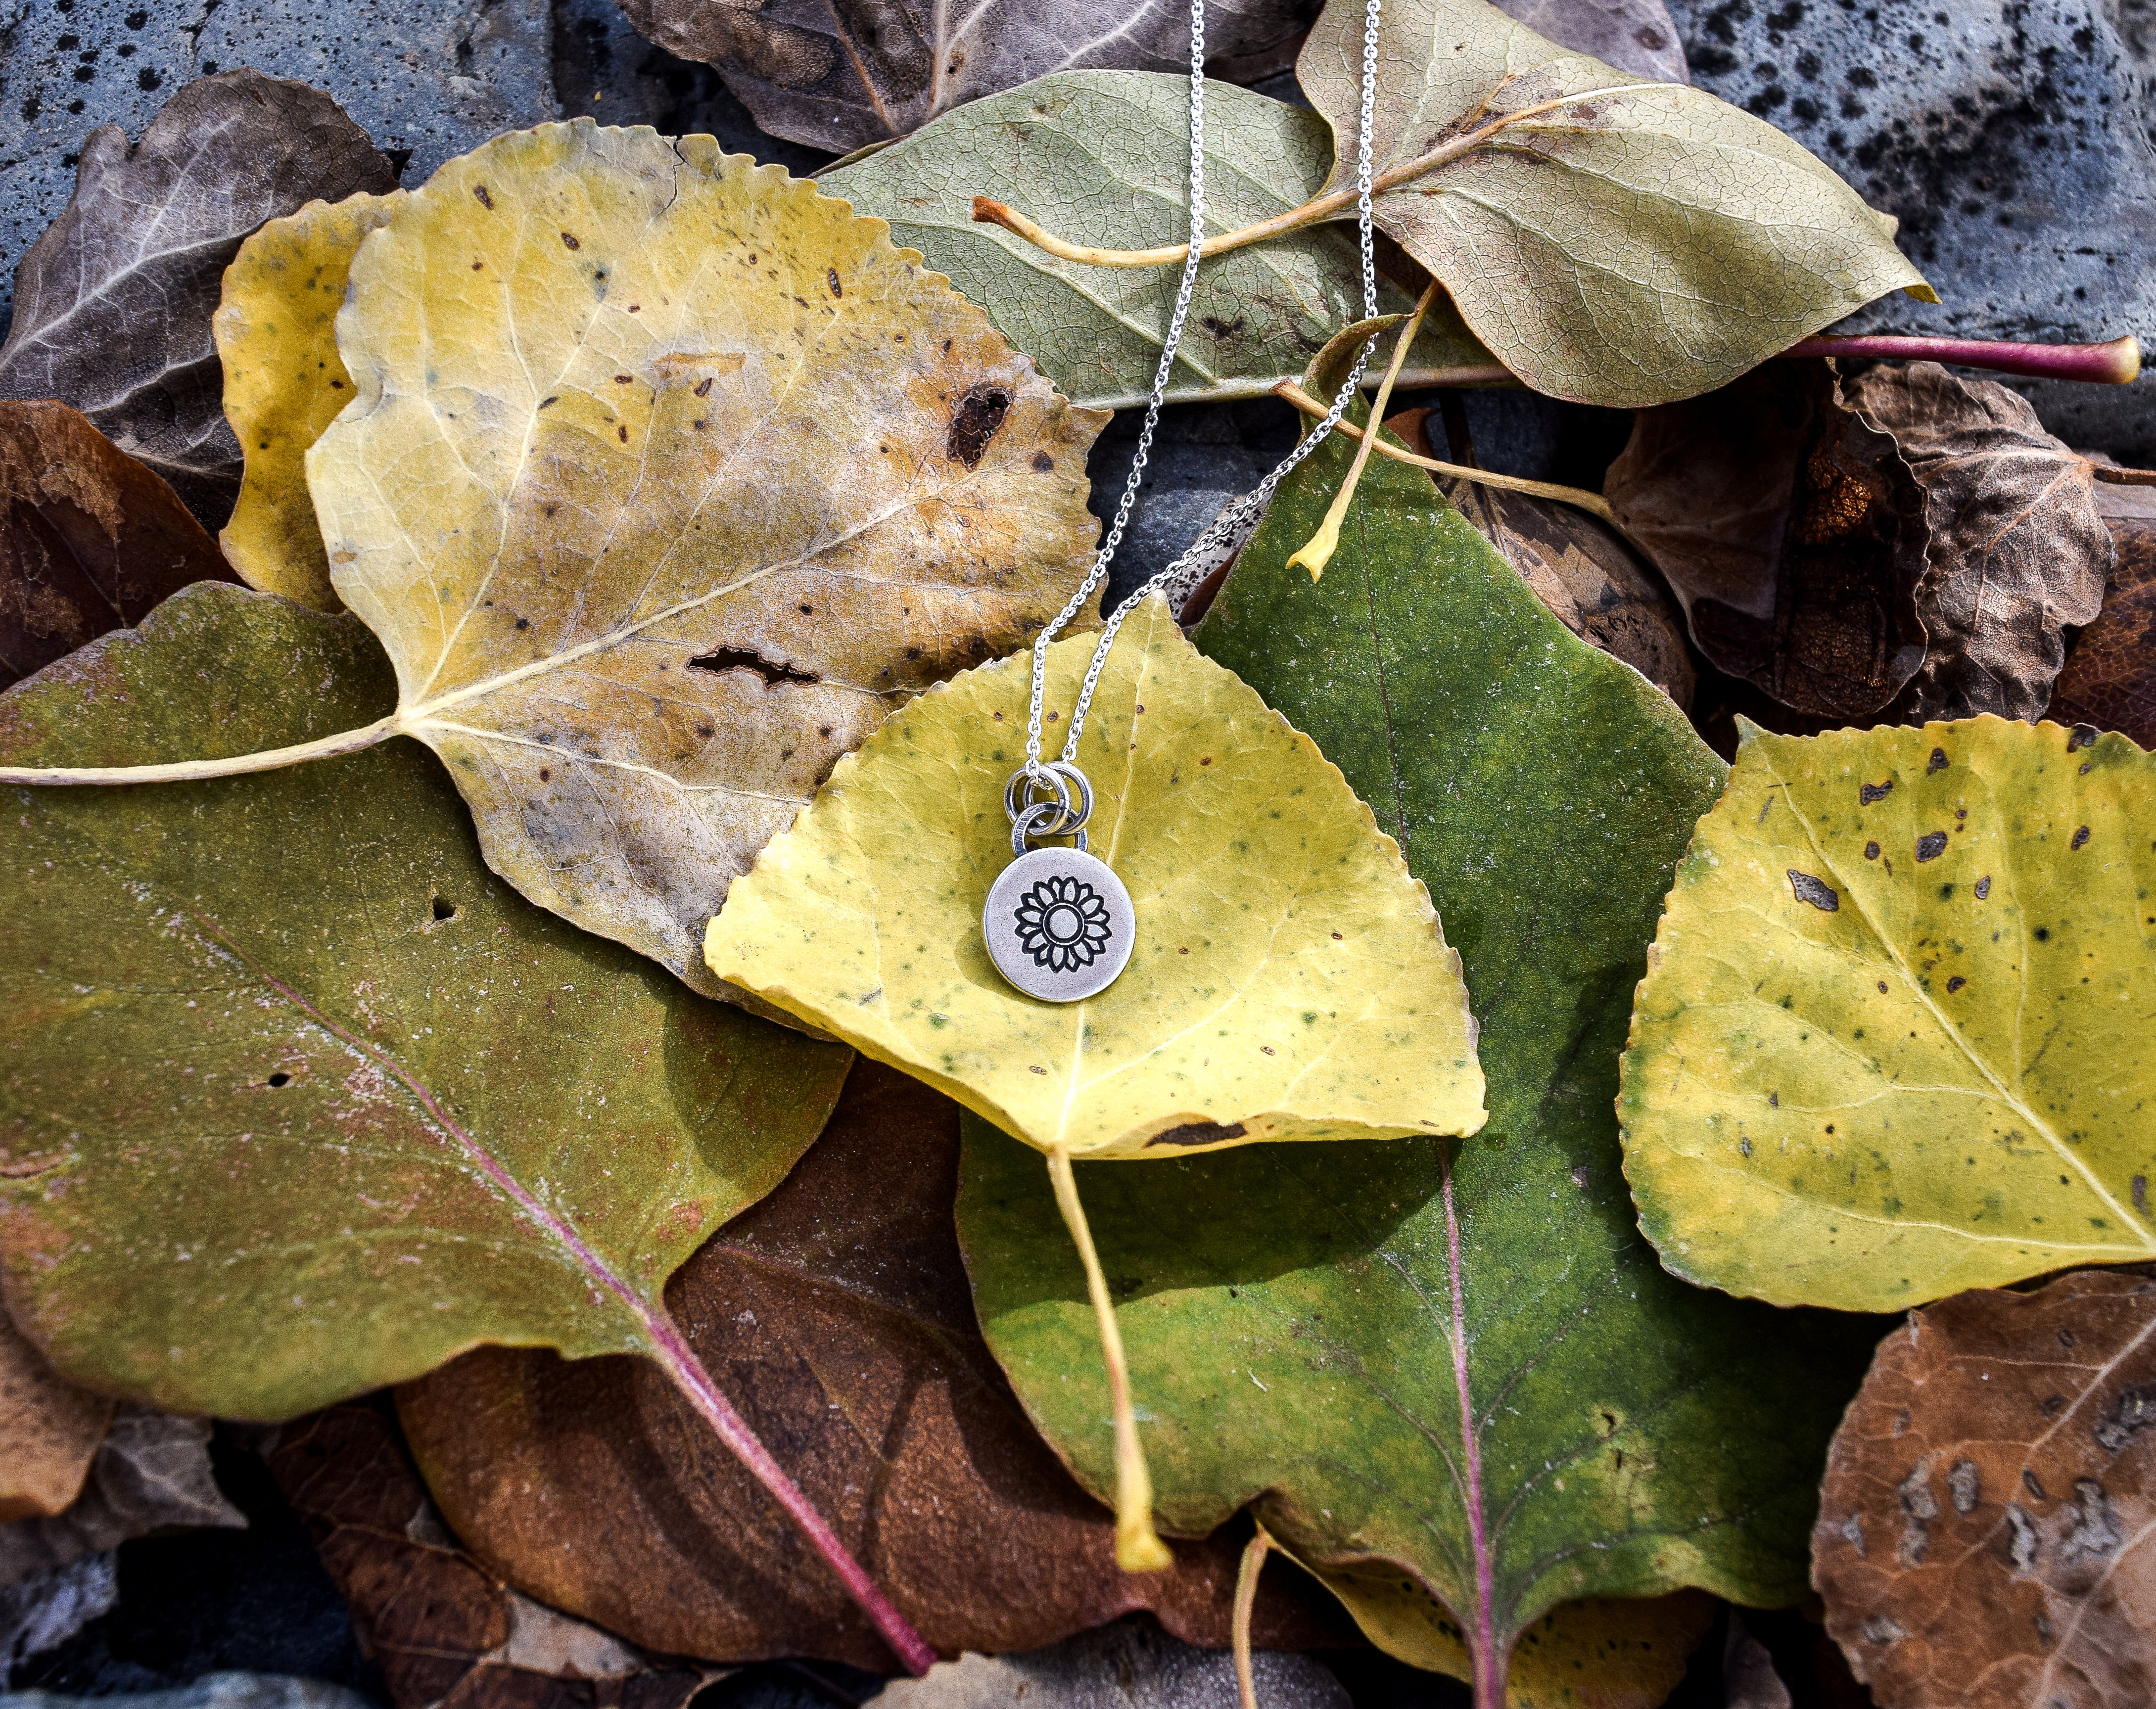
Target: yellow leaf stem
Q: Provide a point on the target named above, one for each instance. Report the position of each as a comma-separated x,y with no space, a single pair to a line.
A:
1317,551
1138,1548
1246,1596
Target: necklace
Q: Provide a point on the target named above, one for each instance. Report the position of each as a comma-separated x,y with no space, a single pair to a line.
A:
1058,922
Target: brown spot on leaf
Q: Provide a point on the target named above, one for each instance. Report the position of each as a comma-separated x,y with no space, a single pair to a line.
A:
486,201
980,414
1931,845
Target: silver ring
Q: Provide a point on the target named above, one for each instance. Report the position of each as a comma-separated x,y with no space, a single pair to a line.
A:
1029,823
1059,775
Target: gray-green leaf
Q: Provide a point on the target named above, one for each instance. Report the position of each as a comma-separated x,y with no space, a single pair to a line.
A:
1641,245
1100,157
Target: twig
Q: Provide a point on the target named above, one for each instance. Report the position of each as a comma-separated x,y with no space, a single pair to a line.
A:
1592,502
1317,552
1246,1597
1138,1548
987,211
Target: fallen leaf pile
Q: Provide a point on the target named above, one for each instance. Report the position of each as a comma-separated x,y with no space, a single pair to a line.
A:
499,1012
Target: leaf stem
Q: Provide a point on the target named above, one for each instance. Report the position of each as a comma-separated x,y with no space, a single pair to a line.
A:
1246,1597
1317,552
987,211
2117,363
2113,475
197,770
671,1351
1592,502
1138,1547
1488,1660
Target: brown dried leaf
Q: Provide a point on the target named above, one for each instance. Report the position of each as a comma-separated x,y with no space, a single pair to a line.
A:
1987,1532
1638,36
1789,532
1896,541
839,1313
440,1627
843,74
113,302
151,1474
92,538
2110,677
2017,551
50,1427
1578,565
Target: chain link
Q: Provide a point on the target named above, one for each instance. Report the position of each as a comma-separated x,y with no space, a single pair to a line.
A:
1234,515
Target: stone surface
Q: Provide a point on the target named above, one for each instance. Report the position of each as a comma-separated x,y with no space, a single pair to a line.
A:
1130,1665
2011,139
216,1690
426,78
45,1610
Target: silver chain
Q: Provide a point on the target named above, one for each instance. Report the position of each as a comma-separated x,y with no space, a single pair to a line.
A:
1039,815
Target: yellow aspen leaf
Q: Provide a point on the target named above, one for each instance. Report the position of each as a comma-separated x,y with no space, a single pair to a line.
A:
1894,1039
1288,979
285,382
1598,1652
666,478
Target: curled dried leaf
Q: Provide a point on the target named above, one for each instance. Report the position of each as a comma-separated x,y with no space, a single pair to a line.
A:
2109,681
1790,532
1895,541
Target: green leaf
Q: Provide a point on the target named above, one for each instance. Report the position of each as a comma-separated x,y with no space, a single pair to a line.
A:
1292,1315
1102,158
299,1098
1626,250
1894,1041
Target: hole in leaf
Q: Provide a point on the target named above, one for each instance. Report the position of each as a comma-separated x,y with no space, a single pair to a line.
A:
745,659
444,909
281,1078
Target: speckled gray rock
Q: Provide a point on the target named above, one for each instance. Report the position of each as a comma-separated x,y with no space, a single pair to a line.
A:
1130,1665
2010,138
426,78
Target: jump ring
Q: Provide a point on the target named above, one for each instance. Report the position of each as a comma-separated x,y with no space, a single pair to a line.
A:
1032,822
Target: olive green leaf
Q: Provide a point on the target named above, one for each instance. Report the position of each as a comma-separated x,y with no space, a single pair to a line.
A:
299,1098
285,382
1894,1040
1615,241
1307,1328
1289,980
1103,157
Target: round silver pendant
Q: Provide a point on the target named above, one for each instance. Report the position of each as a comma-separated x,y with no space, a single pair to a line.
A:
1059,924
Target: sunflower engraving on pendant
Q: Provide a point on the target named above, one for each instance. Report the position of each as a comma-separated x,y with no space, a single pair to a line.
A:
1063,924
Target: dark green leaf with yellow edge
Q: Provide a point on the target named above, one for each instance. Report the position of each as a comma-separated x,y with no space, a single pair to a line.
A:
1293,1313
1896,1037
296,1097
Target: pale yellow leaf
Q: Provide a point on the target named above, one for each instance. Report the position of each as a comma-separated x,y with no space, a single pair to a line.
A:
1289,980
285,382
666,479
